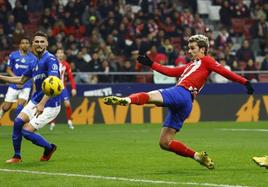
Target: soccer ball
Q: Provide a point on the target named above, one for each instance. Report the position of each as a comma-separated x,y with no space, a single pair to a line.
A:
52,86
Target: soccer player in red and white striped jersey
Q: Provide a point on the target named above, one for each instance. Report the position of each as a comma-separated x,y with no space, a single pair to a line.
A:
65,69
178,99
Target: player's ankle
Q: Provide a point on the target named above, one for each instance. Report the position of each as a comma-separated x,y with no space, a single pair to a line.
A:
128,100
17,156
196,156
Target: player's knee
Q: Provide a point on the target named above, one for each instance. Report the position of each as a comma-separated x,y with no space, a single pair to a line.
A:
26,134
18,122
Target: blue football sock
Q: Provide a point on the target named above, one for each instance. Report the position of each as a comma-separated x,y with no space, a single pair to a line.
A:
18,109
17,136
36,139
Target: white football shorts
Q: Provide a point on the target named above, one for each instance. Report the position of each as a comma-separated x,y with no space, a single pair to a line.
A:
12,94
48,115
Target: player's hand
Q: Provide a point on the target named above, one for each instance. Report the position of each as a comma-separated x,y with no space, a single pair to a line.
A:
39,109
145,60
74,92
250,89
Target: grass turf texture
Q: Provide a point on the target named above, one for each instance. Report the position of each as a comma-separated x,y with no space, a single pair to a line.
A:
132,151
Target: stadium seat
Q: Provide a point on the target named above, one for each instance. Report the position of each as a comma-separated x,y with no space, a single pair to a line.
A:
34,18
202,6
242,25
238,25
213,13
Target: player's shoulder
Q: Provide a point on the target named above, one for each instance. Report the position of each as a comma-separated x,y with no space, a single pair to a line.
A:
49,56
14,54
208,59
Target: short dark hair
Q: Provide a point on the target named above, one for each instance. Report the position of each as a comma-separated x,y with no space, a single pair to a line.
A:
40,33
25,38
60,48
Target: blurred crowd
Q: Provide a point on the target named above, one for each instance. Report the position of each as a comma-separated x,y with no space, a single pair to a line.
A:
107,35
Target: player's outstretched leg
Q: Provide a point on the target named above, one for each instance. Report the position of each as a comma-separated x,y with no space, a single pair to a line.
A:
261,161
137,98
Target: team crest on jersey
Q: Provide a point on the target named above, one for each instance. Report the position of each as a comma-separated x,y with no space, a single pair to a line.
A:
54,67
23,60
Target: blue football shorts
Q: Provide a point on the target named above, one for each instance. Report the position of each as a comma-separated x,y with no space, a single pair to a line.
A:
178,100
64,95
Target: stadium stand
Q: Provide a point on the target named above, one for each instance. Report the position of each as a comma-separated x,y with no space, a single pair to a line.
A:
115,29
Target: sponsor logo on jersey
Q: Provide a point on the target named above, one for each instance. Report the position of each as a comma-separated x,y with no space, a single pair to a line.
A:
20,66
39,76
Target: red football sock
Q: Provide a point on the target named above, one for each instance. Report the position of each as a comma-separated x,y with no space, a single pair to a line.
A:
139,98
68,112
181,149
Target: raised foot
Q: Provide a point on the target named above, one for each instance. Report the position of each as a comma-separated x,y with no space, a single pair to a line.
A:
113,100
47,154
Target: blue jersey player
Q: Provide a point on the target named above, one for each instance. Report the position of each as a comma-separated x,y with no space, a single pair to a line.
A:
18,62
41,109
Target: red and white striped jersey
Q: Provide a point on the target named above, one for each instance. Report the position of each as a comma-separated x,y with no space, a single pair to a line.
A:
193,75
66,69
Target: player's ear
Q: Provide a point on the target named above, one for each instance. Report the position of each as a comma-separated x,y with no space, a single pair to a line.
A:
203,49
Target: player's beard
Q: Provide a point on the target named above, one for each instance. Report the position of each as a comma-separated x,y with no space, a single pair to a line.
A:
39,52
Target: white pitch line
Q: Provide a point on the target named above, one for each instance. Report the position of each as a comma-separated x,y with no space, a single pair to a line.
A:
252,130
118,178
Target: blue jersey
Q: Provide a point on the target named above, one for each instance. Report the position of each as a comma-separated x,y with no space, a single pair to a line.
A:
47,65
20,63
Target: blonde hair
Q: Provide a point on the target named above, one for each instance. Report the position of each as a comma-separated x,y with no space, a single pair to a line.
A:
201,40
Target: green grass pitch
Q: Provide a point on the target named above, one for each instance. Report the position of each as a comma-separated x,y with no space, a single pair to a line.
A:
129,155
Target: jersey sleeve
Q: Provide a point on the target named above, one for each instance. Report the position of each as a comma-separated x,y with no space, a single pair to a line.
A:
11,61
169,71
70,75
213,65
53,67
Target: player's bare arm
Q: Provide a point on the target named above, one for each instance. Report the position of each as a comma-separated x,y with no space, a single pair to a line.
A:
15,80
10,72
